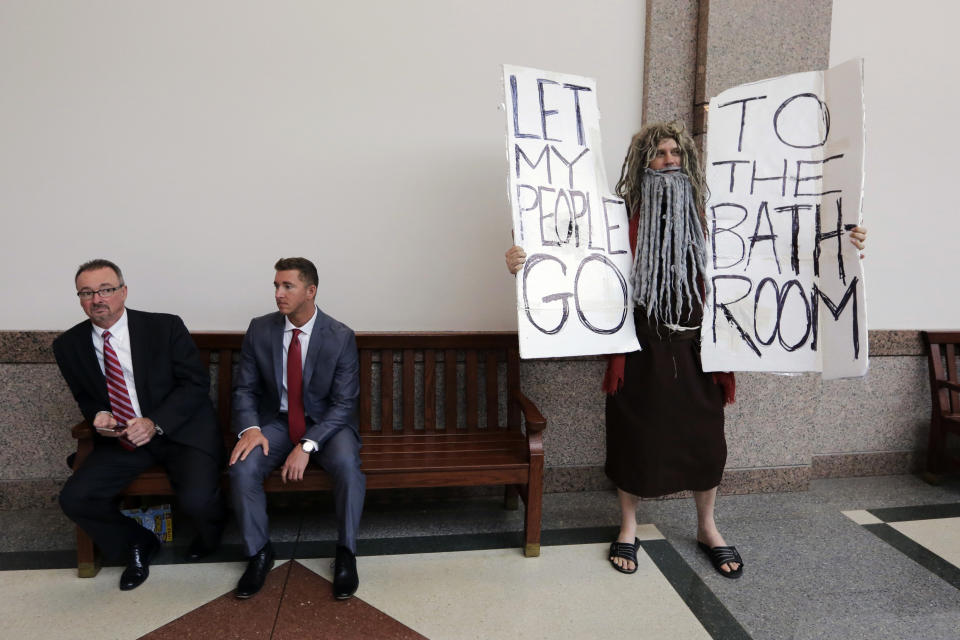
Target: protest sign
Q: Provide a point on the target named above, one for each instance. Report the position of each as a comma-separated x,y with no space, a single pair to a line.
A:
573,292
785,171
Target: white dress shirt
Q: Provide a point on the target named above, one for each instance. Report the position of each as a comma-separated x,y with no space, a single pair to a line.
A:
120,341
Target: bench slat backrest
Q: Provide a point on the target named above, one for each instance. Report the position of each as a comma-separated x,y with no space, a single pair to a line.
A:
942,354
951,366
440,383
410,383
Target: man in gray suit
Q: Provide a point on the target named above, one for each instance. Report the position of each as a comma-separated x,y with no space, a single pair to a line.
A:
295,399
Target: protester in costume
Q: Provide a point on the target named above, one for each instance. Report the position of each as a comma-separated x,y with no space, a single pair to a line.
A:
664,415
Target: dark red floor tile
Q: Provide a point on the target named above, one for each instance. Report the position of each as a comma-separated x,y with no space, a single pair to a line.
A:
228,617
309,610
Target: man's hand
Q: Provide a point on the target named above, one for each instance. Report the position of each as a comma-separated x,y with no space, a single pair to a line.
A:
139,431
515,258
250,440
106,424
858,236
295,465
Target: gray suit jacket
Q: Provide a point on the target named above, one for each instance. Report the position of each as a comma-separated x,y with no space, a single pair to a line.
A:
331,377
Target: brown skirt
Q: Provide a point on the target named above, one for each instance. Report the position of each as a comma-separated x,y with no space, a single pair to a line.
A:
665,425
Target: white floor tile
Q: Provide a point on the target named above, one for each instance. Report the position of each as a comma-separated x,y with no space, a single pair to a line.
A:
862,516
940,535
55,603
570,591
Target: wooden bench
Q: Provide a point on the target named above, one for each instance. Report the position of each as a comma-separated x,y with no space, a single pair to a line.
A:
942,347
436,410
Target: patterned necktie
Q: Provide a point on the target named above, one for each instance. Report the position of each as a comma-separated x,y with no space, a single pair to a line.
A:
120,405
296,422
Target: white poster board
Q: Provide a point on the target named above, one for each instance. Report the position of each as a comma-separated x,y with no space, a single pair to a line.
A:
573,292
784,166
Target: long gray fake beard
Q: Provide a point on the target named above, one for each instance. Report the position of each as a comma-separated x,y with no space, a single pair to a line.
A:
671,252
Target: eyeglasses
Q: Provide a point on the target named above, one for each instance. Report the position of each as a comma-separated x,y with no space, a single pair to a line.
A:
106,292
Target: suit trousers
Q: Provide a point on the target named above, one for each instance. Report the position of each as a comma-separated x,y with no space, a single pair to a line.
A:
339,456
90,496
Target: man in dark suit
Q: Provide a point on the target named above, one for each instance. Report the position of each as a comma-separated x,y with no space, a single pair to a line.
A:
139,382
295,399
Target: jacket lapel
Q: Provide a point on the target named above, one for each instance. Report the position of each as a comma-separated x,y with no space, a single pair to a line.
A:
313,350
139,353
87,357
276,347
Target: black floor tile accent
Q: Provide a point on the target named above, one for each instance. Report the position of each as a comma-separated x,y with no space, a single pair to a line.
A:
27,560
715,618
921,512
415,544
585,535
917,552
67,559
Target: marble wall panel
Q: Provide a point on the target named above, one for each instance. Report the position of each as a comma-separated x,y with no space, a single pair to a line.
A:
750,40
779,424
886,410
883,463
568,394
36,413
27,346
670,55
772,419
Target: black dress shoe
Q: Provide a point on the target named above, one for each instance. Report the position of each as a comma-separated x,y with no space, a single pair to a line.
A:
345,578
258,567
199,549
138,564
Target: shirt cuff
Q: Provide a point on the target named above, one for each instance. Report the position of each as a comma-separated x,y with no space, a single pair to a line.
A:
247,429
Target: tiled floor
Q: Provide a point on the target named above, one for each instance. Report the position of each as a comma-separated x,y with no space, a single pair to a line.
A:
851,558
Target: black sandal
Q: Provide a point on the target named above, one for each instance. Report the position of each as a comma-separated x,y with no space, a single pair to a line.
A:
720,556
627,551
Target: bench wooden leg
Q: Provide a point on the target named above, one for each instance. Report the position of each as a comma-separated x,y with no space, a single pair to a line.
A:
88,560
935,450
534,499
531,546
511,497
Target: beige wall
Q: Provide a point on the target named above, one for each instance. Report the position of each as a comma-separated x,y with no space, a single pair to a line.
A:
196,142
909,205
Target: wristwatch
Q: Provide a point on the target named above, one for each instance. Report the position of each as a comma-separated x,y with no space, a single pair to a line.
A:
308,446
157,429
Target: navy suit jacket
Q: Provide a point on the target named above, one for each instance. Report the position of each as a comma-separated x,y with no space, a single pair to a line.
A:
173,385
331,377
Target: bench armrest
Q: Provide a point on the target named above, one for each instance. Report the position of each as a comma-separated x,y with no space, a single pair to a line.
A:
534,419
949,385
81,431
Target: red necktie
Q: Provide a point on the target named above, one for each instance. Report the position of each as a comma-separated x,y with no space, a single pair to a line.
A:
120,404
296,422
